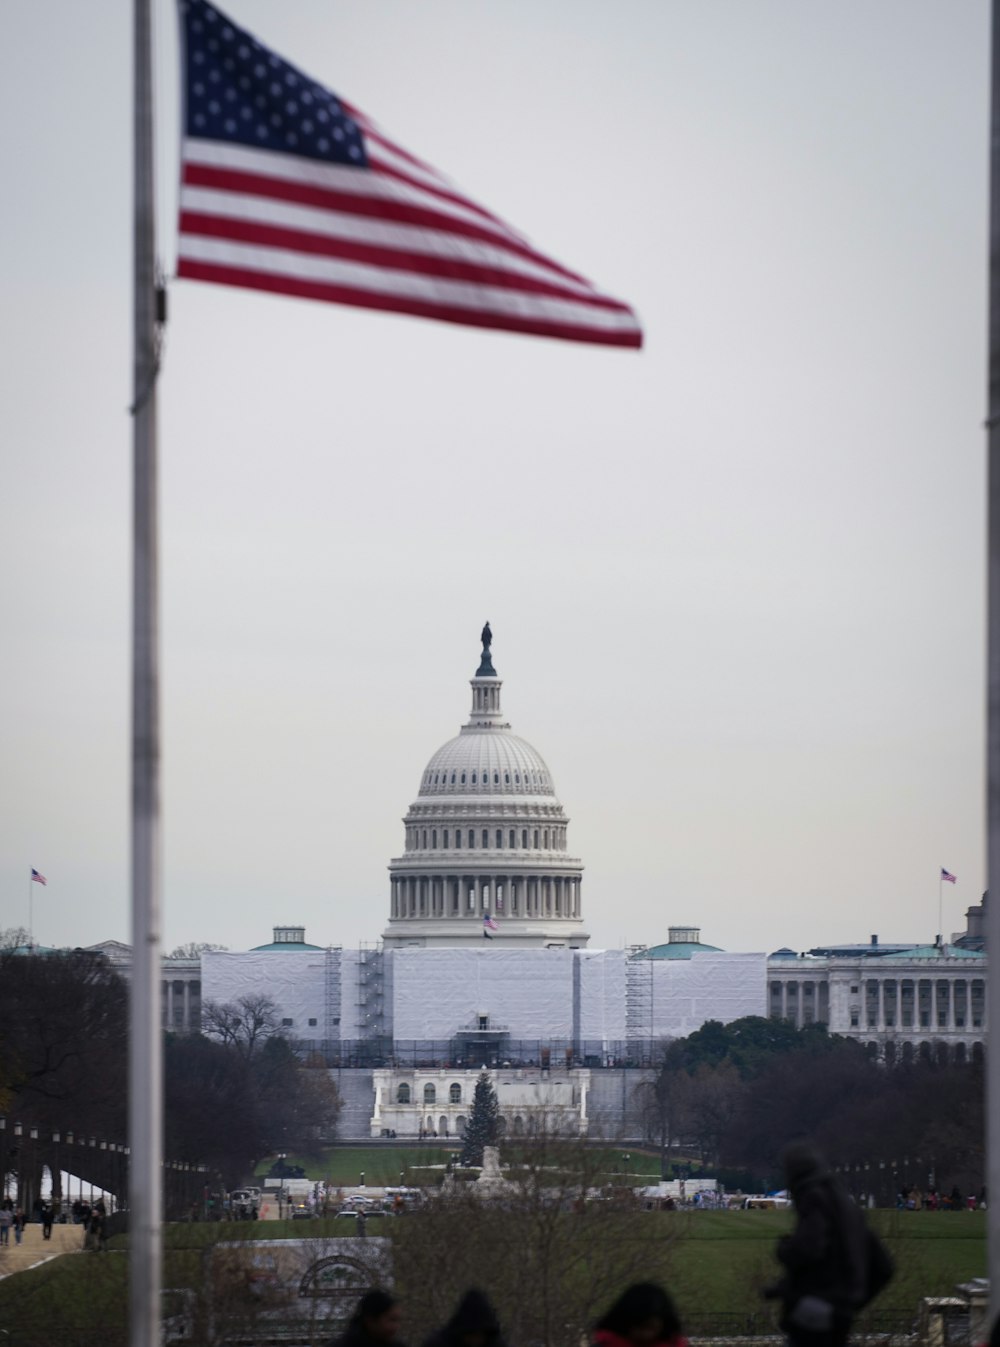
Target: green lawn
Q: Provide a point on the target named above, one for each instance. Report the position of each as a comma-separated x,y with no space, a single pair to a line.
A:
722,1259
712,1262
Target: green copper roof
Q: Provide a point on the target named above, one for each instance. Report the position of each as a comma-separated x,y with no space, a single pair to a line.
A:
681,949
284,945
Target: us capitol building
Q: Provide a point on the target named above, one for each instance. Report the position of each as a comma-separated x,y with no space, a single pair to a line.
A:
485,960
486,847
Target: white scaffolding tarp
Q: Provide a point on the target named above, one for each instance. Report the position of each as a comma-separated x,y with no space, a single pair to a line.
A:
436,992
670,998
294,980
601,1013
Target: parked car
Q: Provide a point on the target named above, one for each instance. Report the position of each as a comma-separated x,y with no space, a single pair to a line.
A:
301,1211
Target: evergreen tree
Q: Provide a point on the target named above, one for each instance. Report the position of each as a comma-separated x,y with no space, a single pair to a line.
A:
483,1127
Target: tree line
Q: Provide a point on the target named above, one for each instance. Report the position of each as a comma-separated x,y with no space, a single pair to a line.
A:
734,1095
232,1095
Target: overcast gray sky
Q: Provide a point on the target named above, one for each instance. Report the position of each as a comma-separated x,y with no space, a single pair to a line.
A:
735,580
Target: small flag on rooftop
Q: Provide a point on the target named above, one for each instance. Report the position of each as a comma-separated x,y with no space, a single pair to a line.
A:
286,187
947,876
38,878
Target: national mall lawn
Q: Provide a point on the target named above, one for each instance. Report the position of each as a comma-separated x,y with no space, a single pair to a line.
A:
713,1261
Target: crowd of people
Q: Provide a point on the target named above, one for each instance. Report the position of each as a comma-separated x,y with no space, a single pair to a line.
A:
832,1267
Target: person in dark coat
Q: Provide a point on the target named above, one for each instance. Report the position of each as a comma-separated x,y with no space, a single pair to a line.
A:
826,1257
474,1324
643,1315
375,1323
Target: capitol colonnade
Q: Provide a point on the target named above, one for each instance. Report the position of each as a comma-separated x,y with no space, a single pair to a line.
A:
479,895
929,1002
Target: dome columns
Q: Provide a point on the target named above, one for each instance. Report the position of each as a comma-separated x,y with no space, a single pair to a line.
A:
470,897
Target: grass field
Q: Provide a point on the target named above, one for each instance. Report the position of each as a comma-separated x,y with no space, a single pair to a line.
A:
712,1262
721,1260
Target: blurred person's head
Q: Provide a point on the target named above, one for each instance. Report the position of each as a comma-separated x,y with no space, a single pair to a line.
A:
802,1164
474,1323
379,1315
643,1314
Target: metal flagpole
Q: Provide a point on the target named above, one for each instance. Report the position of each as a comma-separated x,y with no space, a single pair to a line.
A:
993,695
145,1118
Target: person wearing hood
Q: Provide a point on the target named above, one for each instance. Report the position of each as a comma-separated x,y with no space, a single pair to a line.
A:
642,1316
375,1323
473,1324
833,1264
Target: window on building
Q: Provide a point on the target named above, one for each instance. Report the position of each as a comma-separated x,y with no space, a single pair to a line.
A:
403,1094
288,1023
446,839
486,838
458,839
434,838
430,1094
511,836
455,1093
524,839
312,1024
499,838
536,839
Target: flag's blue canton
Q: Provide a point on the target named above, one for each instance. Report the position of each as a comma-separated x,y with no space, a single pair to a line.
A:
239,91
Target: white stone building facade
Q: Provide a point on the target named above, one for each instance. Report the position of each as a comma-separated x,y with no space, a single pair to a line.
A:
436,1102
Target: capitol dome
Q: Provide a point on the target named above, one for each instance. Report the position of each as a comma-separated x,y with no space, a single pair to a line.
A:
486,764
485,851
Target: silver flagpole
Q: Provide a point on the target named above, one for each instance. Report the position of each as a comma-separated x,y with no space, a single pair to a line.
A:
145,1048
993,698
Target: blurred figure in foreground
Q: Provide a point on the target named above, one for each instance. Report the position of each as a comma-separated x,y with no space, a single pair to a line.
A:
833,1263
375,1323
474,1324
643,1315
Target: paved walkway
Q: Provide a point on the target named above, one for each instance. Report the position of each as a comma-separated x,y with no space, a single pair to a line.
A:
34,1250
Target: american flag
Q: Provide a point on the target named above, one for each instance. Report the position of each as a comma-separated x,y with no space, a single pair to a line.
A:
286,187
947,876
489,924
38,878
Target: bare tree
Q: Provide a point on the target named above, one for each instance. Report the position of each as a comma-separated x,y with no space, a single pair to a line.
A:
557,1243
665,1101
244,1024
194,949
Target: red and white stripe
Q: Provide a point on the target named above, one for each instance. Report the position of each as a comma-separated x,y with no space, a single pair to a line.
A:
395,236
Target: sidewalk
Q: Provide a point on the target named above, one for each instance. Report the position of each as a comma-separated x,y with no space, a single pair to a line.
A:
34,1250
